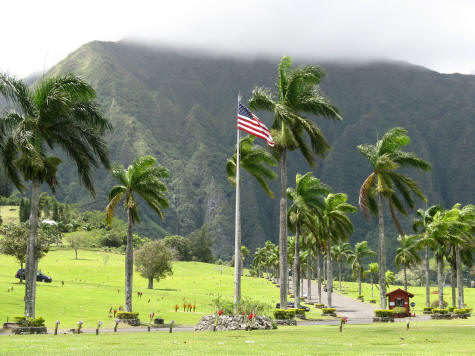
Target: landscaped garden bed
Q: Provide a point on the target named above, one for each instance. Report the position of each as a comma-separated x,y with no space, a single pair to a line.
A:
383,316
233,322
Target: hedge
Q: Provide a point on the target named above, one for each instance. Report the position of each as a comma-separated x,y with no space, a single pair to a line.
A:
300,311
451,309
284,314
127,315
428,308
440,311
319,305
24,321
399,310
328,310
462,311
384,313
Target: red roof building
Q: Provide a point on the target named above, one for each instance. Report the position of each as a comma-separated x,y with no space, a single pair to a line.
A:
399,298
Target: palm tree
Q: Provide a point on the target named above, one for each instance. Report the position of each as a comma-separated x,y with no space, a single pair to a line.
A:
421,222
385,157
373,271
256,161
361,252
407,254
144,178
259,260
335,225
339,253
298,94
58,114
307,202
244,253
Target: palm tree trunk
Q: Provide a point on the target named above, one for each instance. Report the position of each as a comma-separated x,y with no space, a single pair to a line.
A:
458,261
129,264
284,274
21,270
381,254
452,284
372,292
440,282
31,266
296,278
405,278
309,275
426,257
150,283
329,273
359,281
76,252
319,276
339,275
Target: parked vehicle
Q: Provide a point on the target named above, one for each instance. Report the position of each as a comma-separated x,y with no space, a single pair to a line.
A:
40,277
291,305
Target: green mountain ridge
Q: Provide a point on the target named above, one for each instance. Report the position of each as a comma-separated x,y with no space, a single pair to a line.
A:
180,107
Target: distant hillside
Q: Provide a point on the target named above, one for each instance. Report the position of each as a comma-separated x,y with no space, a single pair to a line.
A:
180,107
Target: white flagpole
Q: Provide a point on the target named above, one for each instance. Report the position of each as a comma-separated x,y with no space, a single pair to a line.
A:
237,225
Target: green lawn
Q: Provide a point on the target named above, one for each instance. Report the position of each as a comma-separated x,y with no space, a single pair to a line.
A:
351,289
453,337
95,282
9,213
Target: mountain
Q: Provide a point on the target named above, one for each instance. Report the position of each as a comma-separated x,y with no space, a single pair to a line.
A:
180,107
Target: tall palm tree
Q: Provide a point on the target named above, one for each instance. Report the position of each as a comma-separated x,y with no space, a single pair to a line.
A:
420,223
384,182
256,161
340,253
244,253
259,260
58,114
307,202
407,254
298,94
144,179
361,252
335,225
373,272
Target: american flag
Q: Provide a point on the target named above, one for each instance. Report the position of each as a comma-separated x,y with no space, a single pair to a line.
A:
251,124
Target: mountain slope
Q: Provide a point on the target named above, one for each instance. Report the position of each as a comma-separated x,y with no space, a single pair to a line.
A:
180,107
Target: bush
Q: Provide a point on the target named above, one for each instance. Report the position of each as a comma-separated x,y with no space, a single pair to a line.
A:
360,297
440,311
372,301
462,311
127,315
399,310
284,314
319,305
246,306
24,321
328,310
436,304
428,308
383,313
300,311
451,309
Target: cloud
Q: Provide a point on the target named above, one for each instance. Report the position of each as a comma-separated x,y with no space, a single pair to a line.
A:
435,34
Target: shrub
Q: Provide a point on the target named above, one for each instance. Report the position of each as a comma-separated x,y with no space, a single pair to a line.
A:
328,310
428,308
451,309
300,311
318,305
436,304
399,310
361,297
284,314
462,311
440,311
383,313
24,321
127,315
372,301
246,306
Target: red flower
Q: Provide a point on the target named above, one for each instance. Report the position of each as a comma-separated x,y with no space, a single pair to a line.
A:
243,313
220,312
249,317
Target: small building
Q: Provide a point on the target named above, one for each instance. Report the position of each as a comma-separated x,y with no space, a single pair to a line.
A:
399,298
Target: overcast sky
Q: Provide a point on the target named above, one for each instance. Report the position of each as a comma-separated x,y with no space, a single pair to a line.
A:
439,35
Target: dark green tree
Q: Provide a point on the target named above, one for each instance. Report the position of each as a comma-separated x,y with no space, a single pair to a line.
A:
298,94
384,182
144,179
58,114
201,246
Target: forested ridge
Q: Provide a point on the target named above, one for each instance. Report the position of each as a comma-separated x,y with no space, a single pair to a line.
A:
180,107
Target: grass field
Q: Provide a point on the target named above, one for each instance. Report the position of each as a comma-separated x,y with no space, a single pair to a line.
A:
455,337
351,289
95,282
9,214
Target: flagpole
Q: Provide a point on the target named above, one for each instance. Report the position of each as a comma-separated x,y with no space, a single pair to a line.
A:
237,224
